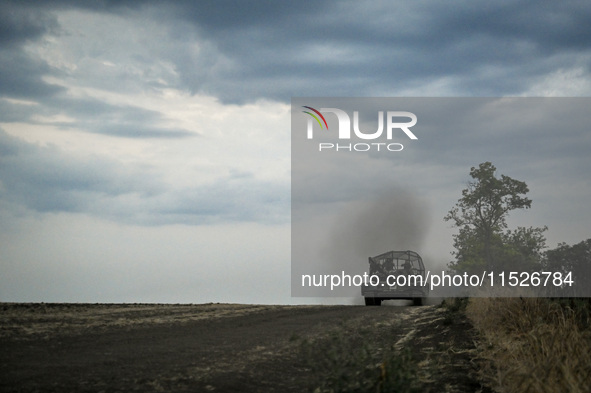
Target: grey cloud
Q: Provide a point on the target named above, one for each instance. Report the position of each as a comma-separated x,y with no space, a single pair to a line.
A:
21,75
116,120
229,199
96,117
12,112
495,49
45,179
20,22
142,131
276,50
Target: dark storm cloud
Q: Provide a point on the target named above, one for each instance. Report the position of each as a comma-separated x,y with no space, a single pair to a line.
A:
20,22
268,49
20,75
279,50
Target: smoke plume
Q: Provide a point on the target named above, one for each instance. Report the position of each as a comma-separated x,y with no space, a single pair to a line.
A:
393,219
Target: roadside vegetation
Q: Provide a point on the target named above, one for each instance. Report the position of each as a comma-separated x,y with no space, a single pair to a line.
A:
531,344
534,344
355,360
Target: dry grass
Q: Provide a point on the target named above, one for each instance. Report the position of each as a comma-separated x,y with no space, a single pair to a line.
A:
533,344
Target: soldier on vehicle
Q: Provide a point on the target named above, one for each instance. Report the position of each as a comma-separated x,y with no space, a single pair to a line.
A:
407,268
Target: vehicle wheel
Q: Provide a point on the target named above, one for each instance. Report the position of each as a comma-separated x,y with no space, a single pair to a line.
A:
373,301
417,301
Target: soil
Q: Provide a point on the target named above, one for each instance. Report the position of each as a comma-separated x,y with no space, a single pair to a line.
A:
216,347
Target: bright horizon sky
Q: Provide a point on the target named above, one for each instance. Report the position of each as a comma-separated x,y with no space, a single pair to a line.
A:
145,146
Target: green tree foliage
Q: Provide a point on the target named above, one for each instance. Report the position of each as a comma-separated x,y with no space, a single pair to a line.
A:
575,259
483,241
522,247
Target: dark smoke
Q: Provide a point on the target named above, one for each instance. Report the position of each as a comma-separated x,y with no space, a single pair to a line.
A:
394,219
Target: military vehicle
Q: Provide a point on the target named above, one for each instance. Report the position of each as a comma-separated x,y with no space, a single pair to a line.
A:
401,275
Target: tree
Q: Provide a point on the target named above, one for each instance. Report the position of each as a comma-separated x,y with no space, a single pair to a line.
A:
523,247
575,260
481,213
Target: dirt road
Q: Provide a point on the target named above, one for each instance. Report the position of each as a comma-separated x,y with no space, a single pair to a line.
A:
226,348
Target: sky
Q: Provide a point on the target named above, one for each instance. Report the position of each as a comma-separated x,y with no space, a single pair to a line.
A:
145,146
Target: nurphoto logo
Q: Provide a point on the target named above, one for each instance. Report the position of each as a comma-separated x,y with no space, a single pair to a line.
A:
392,120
